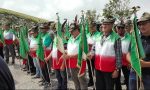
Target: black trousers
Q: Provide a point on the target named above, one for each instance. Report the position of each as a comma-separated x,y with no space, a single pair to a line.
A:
104,80
62,79
1,52
30,62
126,73
89,69
118,82
45,72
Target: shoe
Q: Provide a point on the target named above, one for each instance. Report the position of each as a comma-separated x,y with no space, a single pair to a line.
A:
13,62
24,69
90,84
35,77
32,74
28,71
42,83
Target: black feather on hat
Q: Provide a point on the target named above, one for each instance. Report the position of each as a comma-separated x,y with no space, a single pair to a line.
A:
63,25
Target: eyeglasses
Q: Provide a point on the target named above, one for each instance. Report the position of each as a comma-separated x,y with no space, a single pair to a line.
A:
143,23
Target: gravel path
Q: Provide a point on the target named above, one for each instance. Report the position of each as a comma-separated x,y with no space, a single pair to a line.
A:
25,81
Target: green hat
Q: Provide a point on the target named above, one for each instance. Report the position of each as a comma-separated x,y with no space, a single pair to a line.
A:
108,20
128,22
45,26
120,25
144,17
93,23
34,29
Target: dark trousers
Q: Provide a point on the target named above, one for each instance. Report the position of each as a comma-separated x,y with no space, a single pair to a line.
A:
118,82
132,80
146,81
1,52
45,72
9,49
62,79
90,69
30,62
126,73
104,80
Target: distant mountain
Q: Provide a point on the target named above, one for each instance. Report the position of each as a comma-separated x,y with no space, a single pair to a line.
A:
19,18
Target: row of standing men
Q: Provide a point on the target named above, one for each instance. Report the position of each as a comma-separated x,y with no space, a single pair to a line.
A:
108,54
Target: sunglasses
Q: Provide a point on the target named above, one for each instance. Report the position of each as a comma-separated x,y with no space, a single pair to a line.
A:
143,23
120,27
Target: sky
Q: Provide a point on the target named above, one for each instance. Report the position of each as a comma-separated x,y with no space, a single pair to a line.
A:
47,9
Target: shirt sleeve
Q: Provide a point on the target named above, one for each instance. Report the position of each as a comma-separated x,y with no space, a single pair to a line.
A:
118,52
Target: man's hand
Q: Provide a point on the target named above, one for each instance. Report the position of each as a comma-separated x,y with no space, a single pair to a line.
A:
144,63
115,74
89,56
46,59
65,56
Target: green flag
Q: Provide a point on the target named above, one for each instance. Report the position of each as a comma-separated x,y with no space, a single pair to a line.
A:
87,26
137,51
40,49
83,50
1,36
25,31
24,47
67,33
60,40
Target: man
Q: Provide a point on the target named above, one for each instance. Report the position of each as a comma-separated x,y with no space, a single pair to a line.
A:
107,56
128,26
144,26
9,38
91,36
57,60
33,48
125,41
47,44
6,79
72,55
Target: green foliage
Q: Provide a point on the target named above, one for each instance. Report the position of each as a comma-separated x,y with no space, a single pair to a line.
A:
117,8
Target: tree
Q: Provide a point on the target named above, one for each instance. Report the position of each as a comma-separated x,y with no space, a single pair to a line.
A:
117,9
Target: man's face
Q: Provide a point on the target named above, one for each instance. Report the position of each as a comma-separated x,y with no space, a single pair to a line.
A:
120,31
128,28
35,34
107,27
5,27
43,30
92,28
144,27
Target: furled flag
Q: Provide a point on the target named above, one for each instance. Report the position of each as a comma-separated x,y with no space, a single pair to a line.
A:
40,49
137,51
24,47
83,49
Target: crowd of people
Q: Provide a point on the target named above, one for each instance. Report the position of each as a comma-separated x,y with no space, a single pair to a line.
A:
109,47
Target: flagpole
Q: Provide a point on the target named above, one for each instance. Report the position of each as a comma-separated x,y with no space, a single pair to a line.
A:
135,9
